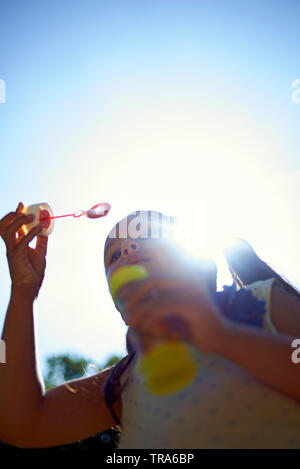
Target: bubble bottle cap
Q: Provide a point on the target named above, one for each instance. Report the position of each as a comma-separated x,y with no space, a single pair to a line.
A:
42,214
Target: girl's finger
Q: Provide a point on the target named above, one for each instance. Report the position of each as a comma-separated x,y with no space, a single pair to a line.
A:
167,303
6,221
179,325
41,245
162,290
19,220
21,234
156,328
139,315
171,322
20,208
10,233
29,237
137,292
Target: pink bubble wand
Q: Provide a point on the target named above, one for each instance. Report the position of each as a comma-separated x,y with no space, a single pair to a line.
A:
97,211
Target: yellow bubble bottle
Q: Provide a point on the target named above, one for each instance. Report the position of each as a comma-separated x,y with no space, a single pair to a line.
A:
168,367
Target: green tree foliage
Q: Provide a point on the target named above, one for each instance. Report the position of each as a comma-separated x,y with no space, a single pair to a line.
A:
112,360
66,367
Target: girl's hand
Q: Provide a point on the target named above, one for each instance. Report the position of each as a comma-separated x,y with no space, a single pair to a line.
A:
26,265
167,308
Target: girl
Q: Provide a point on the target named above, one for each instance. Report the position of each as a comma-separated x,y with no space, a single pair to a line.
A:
247,390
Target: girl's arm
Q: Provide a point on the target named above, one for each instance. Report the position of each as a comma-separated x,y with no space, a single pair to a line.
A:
285,311
29,416
266,356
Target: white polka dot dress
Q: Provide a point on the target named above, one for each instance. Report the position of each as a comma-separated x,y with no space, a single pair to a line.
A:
224,407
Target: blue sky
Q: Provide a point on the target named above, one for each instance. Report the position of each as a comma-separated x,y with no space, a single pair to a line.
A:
160,104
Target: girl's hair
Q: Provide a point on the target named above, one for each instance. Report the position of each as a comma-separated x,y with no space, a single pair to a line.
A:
247,267
112,387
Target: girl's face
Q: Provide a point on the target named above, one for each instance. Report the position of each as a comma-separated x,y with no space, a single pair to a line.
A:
158,255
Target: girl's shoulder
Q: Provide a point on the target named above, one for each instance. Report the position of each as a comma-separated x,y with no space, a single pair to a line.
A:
262,290
248,305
